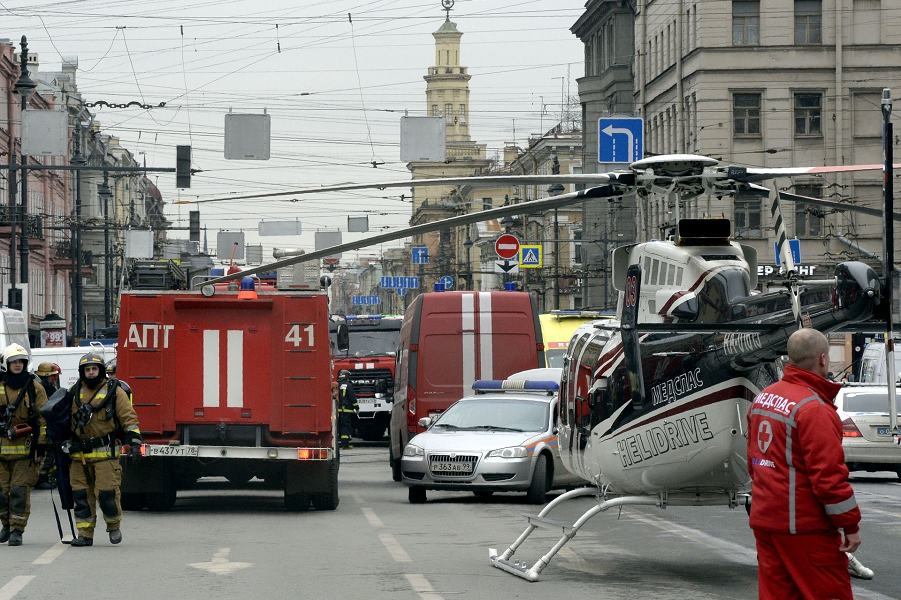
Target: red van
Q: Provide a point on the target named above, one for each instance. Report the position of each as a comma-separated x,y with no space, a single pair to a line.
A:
448,340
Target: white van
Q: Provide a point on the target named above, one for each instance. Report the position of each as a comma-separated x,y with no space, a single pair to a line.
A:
872,363
67,359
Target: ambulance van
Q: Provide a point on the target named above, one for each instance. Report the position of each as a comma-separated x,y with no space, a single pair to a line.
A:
448,341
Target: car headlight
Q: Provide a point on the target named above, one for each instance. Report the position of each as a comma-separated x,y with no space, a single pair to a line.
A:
412,450
513,452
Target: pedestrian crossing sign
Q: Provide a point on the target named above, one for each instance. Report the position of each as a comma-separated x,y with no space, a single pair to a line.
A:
530,257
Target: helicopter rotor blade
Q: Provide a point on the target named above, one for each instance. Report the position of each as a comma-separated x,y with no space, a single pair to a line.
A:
836,205
590,179
605,191
752,174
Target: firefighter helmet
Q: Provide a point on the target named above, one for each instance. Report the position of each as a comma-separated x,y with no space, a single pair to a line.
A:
343,374
47,369
91,358
14,352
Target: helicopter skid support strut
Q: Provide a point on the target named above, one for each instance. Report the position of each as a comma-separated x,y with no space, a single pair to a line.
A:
521,569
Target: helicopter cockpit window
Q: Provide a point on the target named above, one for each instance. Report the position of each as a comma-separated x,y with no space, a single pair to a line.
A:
679,276
655,266
670,274
647,269
719,292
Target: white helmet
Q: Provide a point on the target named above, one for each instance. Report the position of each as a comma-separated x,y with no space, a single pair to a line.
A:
15,352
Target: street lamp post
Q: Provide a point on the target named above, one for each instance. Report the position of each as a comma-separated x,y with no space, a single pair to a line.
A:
467,245
24,87
104,193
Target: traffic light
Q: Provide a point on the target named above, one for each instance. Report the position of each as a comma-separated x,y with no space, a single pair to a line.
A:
194,225
183,167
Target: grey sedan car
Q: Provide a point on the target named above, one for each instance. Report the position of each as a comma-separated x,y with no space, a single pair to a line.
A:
495,440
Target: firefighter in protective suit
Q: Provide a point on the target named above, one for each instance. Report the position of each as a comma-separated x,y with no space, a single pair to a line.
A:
347,406
23,442
103,419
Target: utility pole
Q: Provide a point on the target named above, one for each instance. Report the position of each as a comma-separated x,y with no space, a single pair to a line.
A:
888,267
79,160
104,193
24,87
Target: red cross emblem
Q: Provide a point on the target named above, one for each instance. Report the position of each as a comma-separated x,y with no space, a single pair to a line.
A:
764,436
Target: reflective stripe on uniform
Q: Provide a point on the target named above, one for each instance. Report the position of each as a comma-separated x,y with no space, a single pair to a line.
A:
792,481
102,452
841,507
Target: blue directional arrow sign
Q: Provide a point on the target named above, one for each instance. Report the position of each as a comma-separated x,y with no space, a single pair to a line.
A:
794,247
420,255
620,140
447,282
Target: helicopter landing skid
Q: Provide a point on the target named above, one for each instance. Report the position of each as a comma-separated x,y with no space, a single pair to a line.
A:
661,500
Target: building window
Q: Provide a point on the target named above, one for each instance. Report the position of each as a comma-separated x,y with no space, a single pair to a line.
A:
448,110
589,57
462,113
610,40
745,23
487,204
808,218
807,114
808,22
435,111
746,114
747,218
577,246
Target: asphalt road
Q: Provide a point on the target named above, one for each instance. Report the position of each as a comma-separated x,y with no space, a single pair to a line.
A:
227,542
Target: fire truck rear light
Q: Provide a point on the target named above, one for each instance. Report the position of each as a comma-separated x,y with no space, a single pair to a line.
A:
304,453
143,449
414,347
541,347
849,429
273,453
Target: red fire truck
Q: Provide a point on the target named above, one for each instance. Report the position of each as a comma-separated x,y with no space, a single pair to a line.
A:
234,384
371,349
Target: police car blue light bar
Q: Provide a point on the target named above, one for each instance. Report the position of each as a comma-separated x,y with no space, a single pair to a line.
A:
484,385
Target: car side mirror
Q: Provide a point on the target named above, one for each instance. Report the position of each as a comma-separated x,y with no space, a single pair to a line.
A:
342,337
555,430
425,422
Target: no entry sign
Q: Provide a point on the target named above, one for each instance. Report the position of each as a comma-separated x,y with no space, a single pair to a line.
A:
507,246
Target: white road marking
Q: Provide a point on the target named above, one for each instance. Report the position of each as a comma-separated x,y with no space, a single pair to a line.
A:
373,518
890,513
220,564
393,548
50,555
422,587
738,552
15,585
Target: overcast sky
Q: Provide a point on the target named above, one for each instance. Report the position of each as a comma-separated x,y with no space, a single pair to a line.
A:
336,90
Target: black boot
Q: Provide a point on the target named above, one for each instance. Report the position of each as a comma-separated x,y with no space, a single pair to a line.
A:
4,534
15,538
81,541
115,536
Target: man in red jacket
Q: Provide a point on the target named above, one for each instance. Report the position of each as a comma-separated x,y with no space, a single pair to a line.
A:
800,491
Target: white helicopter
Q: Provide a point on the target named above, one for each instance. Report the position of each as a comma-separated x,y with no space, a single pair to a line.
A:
653,404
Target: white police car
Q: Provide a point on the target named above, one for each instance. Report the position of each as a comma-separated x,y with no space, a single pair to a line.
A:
502,438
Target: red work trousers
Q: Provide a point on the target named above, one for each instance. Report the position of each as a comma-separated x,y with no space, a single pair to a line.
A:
806,566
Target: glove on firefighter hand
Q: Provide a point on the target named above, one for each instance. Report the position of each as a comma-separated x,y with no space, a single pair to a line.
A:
40,451
134,452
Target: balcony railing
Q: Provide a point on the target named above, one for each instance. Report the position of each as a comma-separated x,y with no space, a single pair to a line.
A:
35,222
